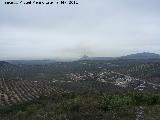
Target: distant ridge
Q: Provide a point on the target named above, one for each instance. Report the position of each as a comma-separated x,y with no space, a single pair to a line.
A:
144,55
85,57
136,56
2,63
31,62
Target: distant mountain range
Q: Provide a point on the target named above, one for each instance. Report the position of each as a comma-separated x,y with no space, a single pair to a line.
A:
137,56
2,63
96,58
31,62
144,55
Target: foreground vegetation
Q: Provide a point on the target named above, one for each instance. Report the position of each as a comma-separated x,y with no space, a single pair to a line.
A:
92,105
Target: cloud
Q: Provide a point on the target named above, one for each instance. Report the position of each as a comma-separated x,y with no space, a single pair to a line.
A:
96,28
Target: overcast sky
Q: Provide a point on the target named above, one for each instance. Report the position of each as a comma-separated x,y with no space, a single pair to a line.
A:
94,28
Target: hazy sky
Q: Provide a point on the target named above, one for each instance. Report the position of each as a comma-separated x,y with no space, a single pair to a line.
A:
94,27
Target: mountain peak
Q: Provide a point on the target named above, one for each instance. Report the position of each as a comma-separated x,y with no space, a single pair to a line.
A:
84,57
